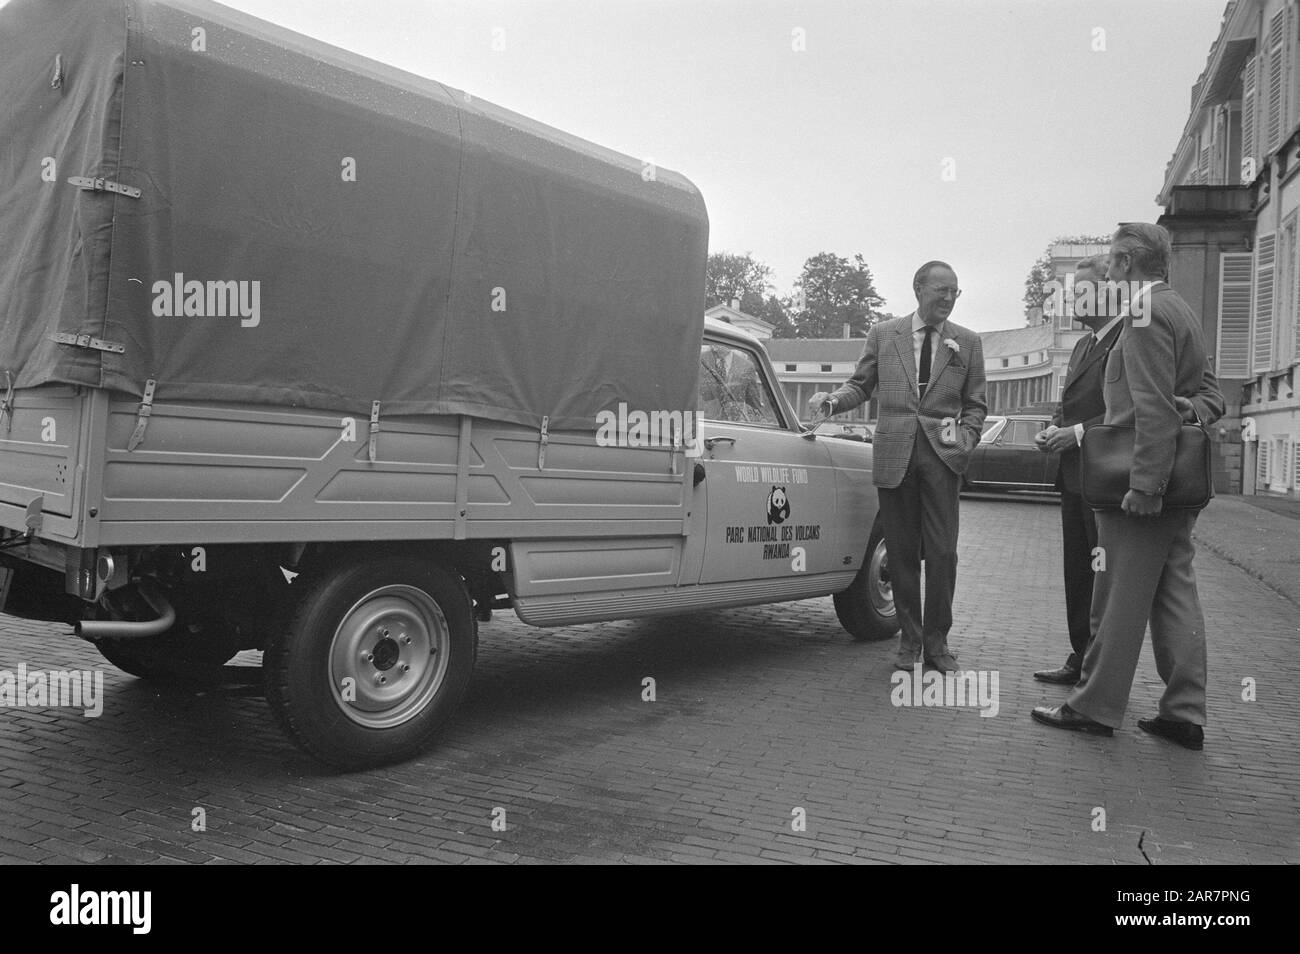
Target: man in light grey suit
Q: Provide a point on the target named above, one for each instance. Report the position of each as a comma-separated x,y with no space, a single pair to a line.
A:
1148,573
928,374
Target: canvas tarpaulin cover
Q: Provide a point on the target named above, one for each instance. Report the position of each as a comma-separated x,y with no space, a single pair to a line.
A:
319,230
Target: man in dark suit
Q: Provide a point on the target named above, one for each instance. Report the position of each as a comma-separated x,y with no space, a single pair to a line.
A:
928,374
1148,575
1081,407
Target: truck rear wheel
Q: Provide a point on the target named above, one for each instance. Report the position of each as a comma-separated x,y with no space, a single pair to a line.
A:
374,661
866,608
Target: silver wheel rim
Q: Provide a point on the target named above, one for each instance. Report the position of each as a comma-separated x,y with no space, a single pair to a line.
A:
879,588
389,656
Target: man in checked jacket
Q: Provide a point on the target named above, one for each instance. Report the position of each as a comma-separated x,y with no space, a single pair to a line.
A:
928,375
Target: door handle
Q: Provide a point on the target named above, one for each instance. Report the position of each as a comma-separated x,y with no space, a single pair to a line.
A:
709,442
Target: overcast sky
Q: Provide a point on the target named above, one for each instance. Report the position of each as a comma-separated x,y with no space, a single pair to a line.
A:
1052,126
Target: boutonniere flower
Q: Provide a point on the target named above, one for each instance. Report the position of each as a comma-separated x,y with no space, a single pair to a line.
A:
952,345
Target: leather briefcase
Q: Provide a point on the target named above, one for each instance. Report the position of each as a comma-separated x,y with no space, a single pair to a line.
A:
1107,457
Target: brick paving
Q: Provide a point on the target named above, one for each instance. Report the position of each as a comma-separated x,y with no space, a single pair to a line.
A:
760,712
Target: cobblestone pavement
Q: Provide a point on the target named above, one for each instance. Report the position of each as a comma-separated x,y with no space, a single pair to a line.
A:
763,716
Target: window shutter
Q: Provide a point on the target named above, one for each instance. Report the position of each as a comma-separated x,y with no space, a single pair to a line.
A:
1288,70
1263,343
1221,144
1248,122
1204,167
1261,465
1295,314
1276,35
1233,346
1295,464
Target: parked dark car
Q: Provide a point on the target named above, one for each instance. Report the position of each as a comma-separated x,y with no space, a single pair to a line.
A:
1007,458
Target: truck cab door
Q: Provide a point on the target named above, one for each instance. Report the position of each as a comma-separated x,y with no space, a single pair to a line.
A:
770,493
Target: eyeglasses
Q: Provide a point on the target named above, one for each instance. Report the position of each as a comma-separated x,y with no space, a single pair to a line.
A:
943,291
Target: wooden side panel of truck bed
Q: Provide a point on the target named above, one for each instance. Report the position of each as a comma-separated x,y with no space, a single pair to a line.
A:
228,473
41,434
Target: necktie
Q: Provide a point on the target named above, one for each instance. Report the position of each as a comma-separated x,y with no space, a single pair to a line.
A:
923,373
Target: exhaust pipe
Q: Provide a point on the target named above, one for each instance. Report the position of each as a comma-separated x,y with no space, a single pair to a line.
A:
96,629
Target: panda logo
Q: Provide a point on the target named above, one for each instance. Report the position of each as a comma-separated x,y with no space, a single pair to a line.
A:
778,505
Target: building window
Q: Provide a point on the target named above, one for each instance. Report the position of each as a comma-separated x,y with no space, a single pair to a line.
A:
792,367
1024,359
1276,464
1006,362
826,367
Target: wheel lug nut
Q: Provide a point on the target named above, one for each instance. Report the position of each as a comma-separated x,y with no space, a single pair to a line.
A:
406,667
406,639
370,657
383,631
380,679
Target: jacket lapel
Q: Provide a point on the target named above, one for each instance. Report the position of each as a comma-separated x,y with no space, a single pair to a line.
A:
903,345
945,354
1077,366
1098,352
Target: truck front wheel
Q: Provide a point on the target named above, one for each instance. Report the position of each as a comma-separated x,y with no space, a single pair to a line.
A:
866,608
374,661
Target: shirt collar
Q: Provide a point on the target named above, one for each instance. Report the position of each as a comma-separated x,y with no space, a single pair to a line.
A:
918,324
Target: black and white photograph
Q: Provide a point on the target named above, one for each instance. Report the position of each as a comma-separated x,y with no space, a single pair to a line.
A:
651,432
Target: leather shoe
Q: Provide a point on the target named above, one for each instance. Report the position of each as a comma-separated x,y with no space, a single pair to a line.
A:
1187,734
1065,676
905,661
945,663
1063,717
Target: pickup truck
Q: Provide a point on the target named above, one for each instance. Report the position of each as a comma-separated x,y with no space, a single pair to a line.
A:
304,354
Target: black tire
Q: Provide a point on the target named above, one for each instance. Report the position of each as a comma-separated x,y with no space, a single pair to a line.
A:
866,608
365,622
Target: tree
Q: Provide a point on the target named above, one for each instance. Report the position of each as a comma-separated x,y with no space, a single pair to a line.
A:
728,277
1041,272
833,291
776,312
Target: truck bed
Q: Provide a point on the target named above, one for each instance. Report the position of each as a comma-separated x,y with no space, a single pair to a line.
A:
211,472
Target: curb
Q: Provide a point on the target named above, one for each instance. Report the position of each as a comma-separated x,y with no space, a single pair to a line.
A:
1226,554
